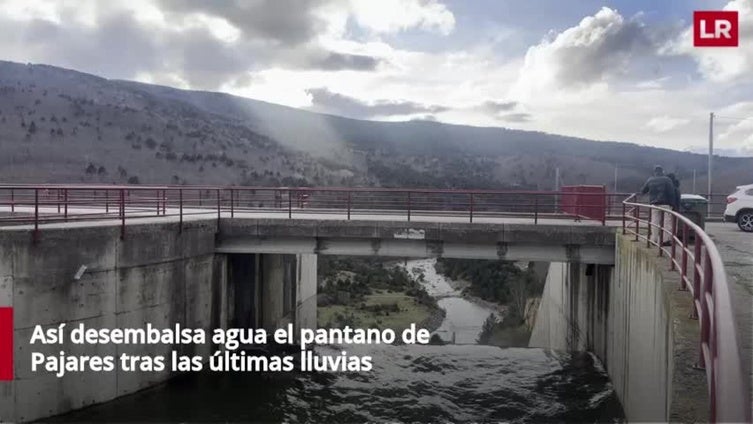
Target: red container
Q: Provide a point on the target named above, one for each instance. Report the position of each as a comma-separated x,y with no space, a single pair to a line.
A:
584,201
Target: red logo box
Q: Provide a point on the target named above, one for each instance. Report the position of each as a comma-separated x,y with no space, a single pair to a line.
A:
6,344
715,28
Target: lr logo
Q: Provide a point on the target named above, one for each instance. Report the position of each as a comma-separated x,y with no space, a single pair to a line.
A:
6,344
715,28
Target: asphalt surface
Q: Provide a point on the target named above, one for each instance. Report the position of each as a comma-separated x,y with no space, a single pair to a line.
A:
736,249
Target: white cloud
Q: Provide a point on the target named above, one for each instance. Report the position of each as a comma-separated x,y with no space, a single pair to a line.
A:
169,79
734,126
582,58
721,64
390,16
25,10
656,83
582,82
665,123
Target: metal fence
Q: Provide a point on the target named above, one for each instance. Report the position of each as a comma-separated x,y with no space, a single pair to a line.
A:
37,205
692,254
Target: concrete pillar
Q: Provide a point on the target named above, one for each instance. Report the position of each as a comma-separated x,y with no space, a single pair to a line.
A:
306,288
272,291
244,278
573,311
287,290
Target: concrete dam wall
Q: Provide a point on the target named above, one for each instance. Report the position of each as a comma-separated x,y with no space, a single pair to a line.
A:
158,274
635,320
629,314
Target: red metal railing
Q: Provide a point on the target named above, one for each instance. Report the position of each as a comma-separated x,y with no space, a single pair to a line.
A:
40,204
690,251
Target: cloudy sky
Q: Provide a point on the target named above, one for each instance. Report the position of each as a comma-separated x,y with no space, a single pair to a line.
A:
610,70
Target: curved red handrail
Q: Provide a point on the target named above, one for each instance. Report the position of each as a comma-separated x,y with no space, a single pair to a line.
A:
728,386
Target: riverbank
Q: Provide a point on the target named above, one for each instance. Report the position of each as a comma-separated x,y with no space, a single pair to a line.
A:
370,293
397,294
498,332
382,309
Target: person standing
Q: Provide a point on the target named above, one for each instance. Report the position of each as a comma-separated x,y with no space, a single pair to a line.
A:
678,193
662,194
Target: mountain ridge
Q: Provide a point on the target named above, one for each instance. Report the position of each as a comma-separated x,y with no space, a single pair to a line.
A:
91,129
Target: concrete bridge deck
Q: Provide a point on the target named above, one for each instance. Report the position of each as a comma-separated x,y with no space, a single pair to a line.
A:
427,234
299,213
499,239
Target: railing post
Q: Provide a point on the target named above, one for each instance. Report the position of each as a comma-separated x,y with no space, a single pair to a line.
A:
535,210
706,284
674,242
624,211
180,203
122,214
107,201
349,204
65,204
610,203
36,215
637,213
650,229
157,198
661,231
164,202
12,201
684,273
409,200
696,275
232,203
218,209
57,194
290,204
471,207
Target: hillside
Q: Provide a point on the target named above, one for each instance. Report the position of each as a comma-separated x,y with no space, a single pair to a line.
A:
58,125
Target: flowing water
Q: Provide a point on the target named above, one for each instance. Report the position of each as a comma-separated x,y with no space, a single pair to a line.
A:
464,318
437,384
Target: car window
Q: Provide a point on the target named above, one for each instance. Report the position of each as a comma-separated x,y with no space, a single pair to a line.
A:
749,192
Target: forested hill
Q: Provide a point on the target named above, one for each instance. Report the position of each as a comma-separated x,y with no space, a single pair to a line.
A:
58,125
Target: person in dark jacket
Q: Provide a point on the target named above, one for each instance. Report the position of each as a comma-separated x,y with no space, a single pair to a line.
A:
661,193
678,193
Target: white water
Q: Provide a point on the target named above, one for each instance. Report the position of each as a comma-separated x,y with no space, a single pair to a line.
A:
464,319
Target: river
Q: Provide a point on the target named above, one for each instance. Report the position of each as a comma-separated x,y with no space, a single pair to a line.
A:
464,318
439,384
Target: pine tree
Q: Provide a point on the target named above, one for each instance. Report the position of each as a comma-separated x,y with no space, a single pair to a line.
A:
487,329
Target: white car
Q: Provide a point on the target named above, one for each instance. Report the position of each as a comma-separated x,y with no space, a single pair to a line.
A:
740,208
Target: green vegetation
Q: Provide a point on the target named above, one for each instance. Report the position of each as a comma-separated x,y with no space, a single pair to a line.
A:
382,309
487,329
364,293
503,333
509,336
504,283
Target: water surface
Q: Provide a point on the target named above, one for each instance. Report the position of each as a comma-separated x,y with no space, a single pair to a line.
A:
423,384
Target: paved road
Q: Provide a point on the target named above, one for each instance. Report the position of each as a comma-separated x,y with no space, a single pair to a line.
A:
736,248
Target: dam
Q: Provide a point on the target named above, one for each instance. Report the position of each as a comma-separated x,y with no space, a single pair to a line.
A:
607,291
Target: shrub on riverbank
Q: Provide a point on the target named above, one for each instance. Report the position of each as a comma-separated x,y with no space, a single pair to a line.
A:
363,292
